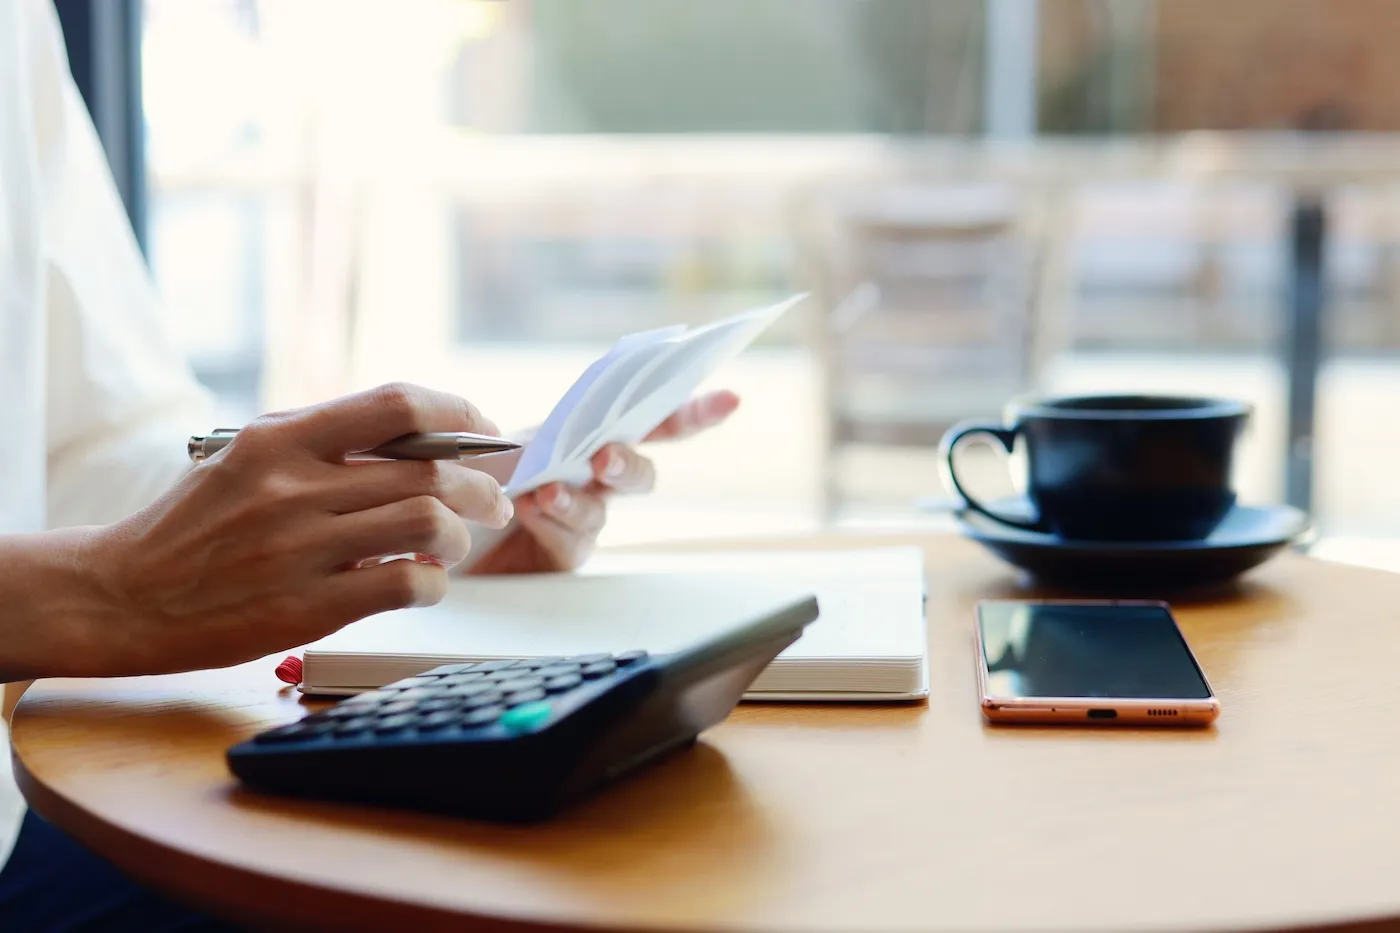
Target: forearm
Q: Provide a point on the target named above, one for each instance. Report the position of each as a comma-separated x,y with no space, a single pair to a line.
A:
49,600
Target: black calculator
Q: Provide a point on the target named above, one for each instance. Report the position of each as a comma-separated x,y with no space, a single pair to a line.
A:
516,740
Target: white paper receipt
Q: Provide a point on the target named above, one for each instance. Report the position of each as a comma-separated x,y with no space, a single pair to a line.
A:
625,394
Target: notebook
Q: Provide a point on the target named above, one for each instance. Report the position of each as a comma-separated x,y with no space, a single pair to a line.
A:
630,390
869,642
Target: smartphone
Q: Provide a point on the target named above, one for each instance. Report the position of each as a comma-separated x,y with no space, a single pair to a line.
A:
1100,662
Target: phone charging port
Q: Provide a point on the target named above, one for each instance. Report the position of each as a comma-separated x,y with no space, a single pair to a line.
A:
1103,714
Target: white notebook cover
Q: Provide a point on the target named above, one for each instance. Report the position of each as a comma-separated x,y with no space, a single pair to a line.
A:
869,643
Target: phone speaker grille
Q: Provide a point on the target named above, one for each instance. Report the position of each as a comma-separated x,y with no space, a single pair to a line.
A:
1161,712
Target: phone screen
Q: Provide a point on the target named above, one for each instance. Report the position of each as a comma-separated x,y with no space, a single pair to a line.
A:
1074,650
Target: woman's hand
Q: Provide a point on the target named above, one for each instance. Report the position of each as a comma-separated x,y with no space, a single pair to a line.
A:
276,540
557,526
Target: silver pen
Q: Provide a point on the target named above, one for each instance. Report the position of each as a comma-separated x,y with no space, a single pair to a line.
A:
442,446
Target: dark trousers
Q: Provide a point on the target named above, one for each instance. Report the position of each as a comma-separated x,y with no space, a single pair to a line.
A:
51,884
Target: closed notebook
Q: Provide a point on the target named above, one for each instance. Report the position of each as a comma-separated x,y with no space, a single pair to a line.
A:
868,643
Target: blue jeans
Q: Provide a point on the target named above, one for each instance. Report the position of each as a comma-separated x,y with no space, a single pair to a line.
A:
51,884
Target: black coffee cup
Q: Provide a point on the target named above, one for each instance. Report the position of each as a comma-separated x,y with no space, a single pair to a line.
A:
1117,467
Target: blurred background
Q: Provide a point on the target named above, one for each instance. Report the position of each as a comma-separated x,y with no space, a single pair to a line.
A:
983,197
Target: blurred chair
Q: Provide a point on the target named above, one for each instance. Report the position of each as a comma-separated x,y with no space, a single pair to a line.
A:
1363,268
1175,264
925,313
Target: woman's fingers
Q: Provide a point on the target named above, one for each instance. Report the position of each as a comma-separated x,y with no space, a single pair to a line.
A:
368,419
562,545
472,494
621,469
381,587
422,525
580,512
695,416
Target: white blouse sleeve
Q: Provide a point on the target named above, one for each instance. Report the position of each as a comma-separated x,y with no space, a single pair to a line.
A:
121,398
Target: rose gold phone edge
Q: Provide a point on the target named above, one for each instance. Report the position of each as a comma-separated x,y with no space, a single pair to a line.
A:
1077,710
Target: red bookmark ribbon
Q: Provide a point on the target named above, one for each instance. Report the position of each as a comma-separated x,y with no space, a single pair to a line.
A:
289,671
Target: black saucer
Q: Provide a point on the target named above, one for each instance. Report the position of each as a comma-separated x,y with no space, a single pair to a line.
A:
1246,538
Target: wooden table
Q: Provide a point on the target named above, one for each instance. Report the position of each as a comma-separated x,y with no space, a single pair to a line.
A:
918,817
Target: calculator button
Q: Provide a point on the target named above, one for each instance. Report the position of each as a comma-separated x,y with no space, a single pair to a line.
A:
629,657
482,716
350,727
345,710
292,733
408,682
371,696
524,696
527,716
520,683
439,720
487,667
560,670
590,658
466,677
418,694
449,670
438,705
598,669
533,663
562,683
309,729
395,723
502,675
281,734
398,706
484,699
471,689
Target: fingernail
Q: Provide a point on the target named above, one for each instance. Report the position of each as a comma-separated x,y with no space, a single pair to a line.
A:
507,510
561,501
615,466
721,405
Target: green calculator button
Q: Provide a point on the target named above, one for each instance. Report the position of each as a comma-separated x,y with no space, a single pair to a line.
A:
526,716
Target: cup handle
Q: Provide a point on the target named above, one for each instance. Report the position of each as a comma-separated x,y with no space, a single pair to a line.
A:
1007,438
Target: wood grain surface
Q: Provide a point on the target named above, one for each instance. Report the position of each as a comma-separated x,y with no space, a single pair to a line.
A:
1286,814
